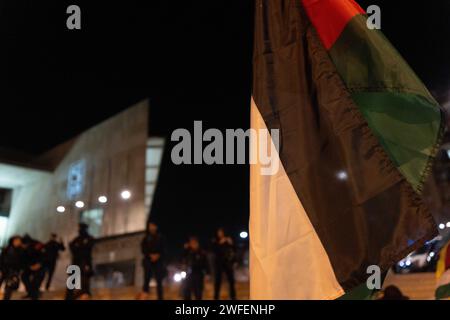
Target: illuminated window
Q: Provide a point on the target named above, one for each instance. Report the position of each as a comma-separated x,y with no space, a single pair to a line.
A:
75,179
94,219
155,148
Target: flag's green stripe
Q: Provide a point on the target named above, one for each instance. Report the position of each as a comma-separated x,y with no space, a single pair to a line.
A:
367,61
361,292
443,292
397,106
406,125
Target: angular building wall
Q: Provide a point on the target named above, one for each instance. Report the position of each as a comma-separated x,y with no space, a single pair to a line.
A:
112,159
31,199
102,161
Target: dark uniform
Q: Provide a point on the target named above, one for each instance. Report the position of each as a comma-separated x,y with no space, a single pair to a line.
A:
52,249
224,258
33,267
196,263
81,249
150,245
11,261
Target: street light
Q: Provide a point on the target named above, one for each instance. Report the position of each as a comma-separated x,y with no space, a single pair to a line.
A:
441,226
102,199
244,235
177,277
448,224
79,204
342,175
125,194
60,209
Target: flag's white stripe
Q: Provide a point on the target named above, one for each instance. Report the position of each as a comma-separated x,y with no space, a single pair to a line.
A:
287,259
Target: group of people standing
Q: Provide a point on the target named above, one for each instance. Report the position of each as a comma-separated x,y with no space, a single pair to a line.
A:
195,261
30,261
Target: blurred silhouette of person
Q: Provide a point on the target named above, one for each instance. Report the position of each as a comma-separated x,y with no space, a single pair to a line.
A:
196,267
224,258
33,266
52,249
153,251
393,293
81,249
11,261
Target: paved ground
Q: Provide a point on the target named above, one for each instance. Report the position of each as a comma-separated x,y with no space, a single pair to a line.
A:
172,292
419,286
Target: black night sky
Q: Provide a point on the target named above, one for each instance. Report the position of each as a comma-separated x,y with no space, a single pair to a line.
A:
191,58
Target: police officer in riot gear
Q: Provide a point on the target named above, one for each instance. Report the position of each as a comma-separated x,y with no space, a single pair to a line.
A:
224,258
11,262
81,249
196,267
153,250
33,266
52,249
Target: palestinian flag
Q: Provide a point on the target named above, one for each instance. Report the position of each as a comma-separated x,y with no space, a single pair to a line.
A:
443,273
357,135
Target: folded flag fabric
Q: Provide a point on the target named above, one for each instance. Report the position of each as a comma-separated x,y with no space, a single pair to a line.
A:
358,132
443,273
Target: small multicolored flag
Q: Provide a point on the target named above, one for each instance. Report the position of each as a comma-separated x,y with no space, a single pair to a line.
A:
443,273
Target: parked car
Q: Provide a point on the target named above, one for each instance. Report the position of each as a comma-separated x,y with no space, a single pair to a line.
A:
423,259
